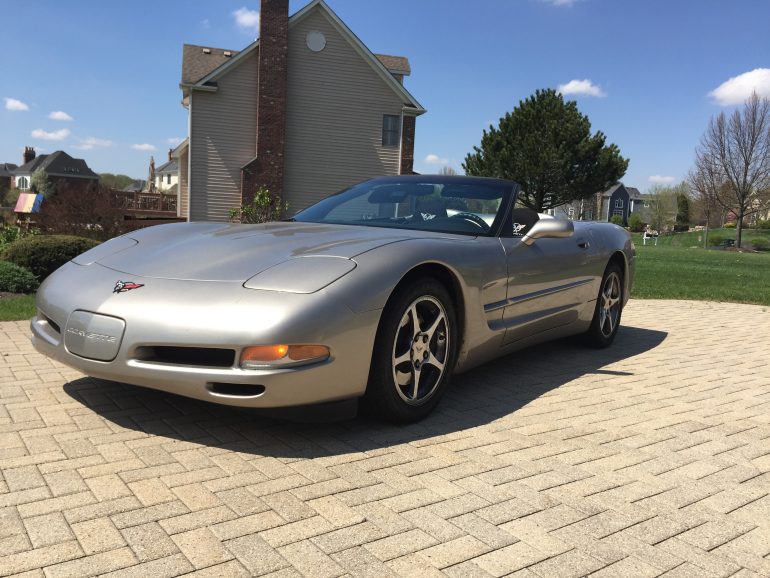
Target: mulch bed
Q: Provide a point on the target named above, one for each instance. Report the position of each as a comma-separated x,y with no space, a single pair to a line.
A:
6,295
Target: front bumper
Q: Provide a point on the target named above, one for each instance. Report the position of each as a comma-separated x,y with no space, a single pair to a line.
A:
189,314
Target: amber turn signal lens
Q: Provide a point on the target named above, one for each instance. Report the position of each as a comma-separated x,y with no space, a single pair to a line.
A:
264,353
301,352
266,356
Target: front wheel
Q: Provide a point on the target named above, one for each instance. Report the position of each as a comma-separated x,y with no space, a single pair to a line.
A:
609,306
414,353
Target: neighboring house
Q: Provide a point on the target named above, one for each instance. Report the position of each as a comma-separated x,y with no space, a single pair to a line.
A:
167,175
61,168
135,187
623,201
6,177
617,200
305,110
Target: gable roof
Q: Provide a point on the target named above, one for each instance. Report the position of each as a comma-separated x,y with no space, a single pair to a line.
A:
399,63
612,189
6,169
57,164
199,61
395,64
169,167
135,186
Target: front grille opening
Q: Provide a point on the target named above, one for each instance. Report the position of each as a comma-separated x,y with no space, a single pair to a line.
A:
236,389
51,323
196,356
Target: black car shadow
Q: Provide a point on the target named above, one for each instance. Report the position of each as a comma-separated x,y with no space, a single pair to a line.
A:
475,398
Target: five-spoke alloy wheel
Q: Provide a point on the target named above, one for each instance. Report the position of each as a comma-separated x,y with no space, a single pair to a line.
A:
609,306
414,352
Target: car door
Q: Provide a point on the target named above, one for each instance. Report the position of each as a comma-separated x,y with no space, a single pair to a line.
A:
549,281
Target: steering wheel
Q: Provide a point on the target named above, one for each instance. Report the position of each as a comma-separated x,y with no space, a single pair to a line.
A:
472,218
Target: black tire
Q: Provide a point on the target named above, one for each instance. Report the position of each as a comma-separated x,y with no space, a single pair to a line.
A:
609,307
391,392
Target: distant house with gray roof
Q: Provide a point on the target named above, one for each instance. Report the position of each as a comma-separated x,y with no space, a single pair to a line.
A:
6,176
60,167
305,110
618,200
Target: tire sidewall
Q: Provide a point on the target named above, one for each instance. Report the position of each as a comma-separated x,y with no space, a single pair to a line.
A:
381,397
595,336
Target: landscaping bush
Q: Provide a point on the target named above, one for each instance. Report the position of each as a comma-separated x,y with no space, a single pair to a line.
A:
763,224
715,240
617,220
15,279
729,225
635,223
43,254
760,244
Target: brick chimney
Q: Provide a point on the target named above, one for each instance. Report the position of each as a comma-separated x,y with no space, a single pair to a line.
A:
29,154
267,168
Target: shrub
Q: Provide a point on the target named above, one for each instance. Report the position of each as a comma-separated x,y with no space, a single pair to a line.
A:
43,254
763,224
92,212
8,235
635,223
715,240
15,279
617,220
263,207
760,244
729,225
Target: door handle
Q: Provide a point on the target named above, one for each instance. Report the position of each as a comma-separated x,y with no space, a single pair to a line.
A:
583,244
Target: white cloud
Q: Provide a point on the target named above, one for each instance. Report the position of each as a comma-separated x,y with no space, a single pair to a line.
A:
737,89
559,2
205,23
432,159
60,115
174,140
91,143
13,104
143,147
661,179
583,87
55,135
247,19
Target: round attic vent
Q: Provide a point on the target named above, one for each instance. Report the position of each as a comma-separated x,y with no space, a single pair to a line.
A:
316,41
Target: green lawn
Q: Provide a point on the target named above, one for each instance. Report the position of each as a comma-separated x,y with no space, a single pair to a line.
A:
695,239
674,270
17,308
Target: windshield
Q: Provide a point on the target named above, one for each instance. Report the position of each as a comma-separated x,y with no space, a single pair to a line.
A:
465,207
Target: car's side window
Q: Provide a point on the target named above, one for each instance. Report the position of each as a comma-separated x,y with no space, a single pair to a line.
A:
522,221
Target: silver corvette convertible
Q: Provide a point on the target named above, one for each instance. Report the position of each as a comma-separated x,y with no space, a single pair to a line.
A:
382,292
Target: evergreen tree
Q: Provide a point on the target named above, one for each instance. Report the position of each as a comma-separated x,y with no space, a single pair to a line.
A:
545,144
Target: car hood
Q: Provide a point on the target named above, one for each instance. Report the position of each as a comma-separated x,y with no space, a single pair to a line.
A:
234,252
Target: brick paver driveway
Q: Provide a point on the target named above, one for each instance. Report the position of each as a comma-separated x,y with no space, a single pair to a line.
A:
650,458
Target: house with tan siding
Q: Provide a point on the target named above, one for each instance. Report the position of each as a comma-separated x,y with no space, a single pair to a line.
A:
305,110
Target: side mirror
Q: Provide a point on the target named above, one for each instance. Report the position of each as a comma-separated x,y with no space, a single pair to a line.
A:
549,229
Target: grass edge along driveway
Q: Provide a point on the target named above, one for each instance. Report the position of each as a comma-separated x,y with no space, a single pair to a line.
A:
662,272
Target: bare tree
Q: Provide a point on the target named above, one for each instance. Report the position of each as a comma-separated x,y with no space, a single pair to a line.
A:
705,181
738,148
662,209
447,170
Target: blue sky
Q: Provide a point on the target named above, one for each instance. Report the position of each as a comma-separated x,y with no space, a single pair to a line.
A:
652,66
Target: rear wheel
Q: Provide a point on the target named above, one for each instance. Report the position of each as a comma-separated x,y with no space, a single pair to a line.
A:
414,353
609,306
